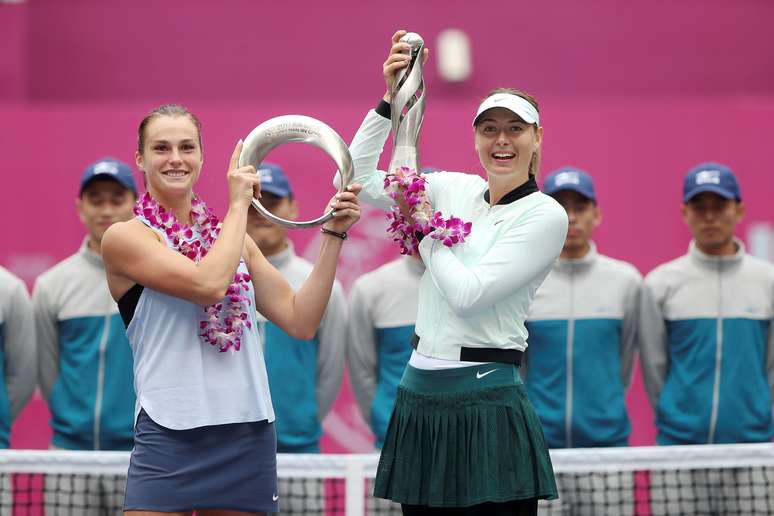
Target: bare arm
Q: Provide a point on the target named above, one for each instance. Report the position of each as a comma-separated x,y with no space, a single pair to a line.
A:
299,313
135,254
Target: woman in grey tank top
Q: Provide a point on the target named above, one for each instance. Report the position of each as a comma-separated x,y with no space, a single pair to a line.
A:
189,286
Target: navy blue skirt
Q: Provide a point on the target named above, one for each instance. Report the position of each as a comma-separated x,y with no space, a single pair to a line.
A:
230,466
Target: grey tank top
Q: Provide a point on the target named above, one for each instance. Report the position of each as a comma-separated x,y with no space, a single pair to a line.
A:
183,382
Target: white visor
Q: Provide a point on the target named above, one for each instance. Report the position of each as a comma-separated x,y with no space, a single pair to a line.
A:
521,107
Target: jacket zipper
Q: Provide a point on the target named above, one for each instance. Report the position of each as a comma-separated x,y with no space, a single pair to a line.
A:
100,380
718,358
570,339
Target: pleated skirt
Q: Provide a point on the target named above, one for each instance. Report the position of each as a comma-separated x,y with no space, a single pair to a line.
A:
461,437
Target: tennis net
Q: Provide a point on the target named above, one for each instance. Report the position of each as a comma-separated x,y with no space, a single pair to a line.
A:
686,480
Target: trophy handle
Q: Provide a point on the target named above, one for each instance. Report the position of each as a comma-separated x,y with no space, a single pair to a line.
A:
296,129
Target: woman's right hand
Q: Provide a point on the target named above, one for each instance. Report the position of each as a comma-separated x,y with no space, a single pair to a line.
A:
398,58
243,182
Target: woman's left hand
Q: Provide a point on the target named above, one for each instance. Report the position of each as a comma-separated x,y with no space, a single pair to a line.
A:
346,209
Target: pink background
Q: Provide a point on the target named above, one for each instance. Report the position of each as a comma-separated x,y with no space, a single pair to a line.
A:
635,93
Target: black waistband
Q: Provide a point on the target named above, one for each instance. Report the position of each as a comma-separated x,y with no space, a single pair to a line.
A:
506,356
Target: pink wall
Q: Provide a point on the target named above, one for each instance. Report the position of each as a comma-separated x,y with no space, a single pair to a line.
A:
269,50
634,97
13,28
637,157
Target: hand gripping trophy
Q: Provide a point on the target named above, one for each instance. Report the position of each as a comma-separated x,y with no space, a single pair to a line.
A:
413,214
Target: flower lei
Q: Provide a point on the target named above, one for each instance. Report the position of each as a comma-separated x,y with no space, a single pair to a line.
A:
223,323
410,185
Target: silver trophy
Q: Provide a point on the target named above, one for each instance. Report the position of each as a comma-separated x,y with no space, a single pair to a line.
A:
299,129
407,107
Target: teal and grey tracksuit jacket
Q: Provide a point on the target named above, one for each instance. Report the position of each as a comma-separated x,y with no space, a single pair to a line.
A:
582,339
382,315
707,348
18,373
85,362
304,375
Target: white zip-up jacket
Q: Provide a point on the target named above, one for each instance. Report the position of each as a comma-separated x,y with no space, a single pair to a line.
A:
85,362
17,351
477,294
582,331
707,348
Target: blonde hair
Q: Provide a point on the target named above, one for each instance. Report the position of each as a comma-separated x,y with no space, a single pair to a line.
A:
534,162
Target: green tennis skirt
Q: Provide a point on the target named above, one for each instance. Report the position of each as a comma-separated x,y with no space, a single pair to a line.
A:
461,437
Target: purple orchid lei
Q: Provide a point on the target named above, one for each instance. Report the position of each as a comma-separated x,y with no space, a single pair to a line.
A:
223,323
406,182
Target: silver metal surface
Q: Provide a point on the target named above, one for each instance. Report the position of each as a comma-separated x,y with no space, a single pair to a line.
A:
296,129
408,107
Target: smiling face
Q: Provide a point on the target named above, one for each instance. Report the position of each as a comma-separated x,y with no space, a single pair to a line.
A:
506,144
171,156
712,220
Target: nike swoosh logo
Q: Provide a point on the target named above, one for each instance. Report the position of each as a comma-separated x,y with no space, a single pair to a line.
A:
496,223
481,375
274,498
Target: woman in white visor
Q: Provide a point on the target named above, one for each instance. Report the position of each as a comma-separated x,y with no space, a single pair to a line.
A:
463,438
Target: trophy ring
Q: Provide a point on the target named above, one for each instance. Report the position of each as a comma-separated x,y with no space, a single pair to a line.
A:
300,129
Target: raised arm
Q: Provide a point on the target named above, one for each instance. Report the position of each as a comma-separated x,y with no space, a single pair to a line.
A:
299,313
135,254
365,150
520,254
368,143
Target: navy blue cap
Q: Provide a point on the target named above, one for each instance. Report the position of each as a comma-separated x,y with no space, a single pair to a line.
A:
110,168
570,178
274,180
711,177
